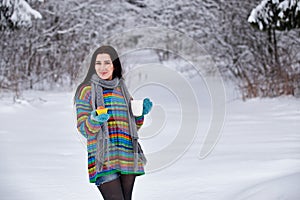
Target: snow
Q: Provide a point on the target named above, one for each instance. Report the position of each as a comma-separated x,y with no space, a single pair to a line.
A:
284,5
259,12
257,156
272,189
263,12
23,12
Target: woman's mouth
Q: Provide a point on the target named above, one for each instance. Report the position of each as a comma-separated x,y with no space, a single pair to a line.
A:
103,73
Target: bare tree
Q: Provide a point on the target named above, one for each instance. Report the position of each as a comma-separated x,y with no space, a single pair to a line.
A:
50,52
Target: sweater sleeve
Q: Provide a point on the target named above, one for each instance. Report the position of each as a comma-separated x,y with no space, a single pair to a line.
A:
139,121
85,125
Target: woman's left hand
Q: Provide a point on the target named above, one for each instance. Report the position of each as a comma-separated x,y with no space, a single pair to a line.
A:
147,105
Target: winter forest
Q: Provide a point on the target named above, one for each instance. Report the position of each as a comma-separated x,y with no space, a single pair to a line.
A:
254,43
231,138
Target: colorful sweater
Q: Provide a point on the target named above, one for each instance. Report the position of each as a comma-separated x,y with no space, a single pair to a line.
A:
120,155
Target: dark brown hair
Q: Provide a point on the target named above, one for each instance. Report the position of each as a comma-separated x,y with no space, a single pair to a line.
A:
116,63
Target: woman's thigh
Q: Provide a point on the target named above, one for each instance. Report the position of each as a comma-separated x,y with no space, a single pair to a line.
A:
112,190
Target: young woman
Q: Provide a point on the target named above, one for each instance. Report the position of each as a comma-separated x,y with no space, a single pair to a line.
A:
105,119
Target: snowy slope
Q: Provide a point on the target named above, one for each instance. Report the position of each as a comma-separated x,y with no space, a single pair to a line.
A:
257,156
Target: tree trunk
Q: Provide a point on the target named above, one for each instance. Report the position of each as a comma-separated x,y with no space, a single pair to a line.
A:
277,64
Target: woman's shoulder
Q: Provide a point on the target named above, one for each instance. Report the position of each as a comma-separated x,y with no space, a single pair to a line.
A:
84,91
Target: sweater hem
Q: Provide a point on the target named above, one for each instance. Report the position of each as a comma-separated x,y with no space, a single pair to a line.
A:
115,171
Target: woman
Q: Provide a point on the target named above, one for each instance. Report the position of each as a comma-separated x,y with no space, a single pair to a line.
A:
115,157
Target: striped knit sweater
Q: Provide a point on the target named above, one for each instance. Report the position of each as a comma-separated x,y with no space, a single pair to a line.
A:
120,155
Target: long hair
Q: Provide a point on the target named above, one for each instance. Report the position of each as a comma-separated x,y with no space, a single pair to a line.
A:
116,63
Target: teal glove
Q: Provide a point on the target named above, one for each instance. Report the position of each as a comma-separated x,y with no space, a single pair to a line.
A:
147,105
99,118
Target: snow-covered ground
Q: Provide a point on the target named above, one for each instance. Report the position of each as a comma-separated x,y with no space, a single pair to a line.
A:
257,156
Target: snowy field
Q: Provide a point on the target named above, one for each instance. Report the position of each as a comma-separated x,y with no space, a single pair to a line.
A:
257,156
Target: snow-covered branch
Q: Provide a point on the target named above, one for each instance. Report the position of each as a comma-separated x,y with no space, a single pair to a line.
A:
276,14
17,13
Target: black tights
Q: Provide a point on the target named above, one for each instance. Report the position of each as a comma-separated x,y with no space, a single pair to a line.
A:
118,189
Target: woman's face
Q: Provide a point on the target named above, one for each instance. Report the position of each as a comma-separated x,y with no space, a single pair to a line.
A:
104,66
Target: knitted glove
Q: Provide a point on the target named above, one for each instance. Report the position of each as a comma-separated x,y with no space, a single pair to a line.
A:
147,105
99,118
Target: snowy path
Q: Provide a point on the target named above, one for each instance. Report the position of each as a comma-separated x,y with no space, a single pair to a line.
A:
257,157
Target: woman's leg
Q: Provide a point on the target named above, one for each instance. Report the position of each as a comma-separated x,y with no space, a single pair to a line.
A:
127,182
112,190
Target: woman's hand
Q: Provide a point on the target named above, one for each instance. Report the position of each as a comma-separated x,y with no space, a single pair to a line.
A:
147,105
99,118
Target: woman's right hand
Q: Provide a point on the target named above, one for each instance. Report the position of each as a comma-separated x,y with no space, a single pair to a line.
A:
99,118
